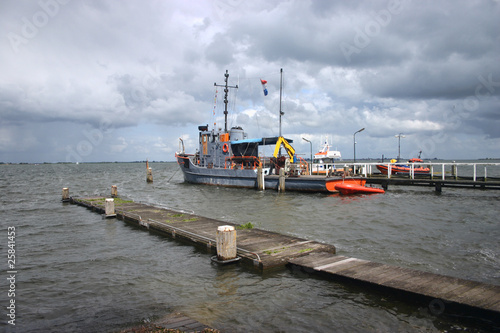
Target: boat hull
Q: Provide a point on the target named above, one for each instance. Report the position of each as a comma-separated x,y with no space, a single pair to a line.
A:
348,189
247,178
243,178
395,169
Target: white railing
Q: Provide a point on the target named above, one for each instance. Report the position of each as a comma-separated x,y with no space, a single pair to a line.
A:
437,169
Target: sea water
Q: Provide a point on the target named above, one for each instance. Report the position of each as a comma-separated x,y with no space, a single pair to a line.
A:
76,271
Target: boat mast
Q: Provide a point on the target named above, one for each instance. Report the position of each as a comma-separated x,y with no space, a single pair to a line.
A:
281,92
226,76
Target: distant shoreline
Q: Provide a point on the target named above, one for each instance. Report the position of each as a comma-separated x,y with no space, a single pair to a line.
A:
359,160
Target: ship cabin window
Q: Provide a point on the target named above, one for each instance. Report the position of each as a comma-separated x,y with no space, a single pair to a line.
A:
323,161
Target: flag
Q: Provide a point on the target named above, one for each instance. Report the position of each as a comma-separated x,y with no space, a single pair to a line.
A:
264,86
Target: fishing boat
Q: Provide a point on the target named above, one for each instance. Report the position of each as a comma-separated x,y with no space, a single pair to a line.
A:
230,158
323,160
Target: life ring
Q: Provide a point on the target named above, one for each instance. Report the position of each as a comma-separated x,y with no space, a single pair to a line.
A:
225,147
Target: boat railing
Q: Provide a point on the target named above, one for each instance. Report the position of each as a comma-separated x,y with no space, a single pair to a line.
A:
243,162
474,171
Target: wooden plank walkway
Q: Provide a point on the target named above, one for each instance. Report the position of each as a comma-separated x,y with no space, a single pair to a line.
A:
260,248
437,183
445,289
265,250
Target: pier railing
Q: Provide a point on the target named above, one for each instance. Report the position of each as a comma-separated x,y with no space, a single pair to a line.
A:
480,171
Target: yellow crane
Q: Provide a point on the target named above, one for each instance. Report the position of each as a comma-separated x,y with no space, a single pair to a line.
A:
289,149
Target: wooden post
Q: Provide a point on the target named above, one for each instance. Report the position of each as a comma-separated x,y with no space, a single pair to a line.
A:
149,173
114,191
226,243
65,194
281,183
260,179
109,208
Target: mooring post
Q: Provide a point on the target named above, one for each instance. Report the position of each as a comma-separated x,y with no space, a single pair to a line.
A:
114,191
149,175
281,183
109,208
260,178
65,194
226,243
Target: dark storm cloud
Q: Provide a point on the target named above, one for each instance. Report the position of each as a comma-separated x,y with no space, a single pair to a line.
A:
419,67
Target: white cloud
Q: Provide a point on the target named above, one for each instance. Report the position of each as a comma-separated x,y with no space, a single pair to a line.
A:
146,71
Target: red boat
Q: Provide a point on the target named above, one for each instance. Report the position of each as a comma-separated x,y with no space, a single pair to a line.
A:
346,189
404,168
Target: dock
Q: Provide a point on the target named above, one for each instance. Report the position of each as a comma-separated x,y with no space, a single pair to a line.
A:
259,248
439,290
482,176
437,183
266,250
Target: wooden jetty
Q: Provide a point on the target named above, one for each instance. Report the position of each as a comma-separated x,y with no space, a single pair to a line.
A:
265,250
259,248
437,183
483,176
441,291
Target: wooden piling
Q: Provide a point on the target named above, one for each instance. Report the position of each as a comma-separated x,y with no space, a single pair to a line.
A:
65,194
260,179
226,242
114,191
149,173
281,184
109,208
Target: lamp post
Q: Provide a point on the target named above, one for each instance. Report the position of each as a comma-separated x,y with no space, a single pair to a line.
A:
399,136
354,136
310,143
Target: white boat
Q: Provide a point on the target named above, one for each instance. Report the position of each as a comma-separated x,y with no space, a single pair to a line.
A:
324,159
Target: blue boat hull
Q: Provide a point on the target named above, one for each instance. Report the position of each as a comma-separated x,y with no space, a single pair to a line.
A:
246,178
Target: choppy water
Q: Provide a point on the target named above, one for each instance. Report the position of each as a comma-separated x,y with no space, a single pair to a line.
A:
78,272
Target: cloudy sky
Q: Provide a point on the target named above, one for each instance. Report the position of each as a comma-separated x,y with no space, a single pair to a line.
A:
123,80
